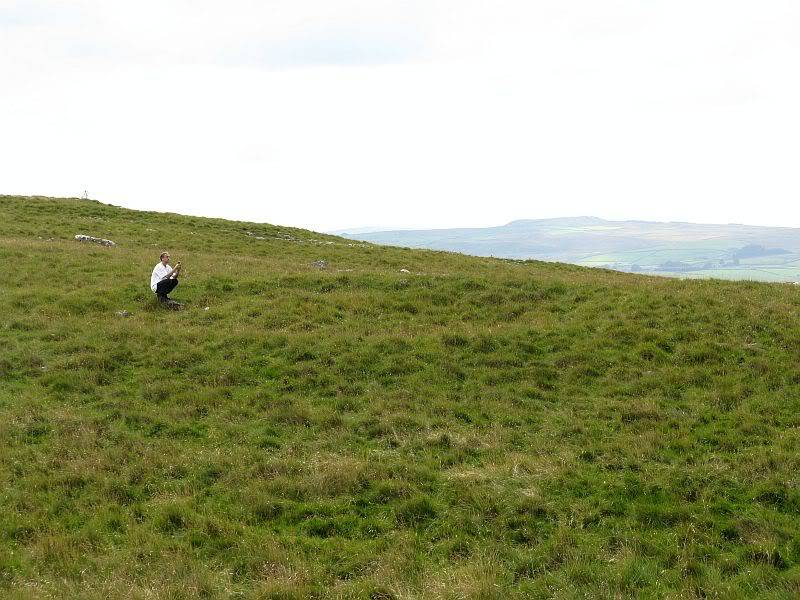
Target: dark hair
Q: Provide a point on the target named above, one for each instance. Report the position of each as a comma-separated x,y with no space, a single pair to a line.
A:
162,254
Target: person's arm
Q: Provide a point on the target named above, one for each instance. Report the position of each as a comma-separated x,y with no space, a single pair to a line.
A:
174,272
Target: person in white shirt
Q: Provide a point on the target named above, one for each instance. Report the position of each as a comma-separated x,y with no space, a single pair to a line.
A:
164,278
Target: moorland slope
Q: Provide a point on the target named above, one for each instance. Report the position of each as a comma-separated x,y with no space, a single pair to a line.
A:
473,428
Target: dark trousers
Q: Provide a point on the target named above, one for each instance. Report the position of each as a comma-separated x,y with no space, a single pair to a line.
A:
165,286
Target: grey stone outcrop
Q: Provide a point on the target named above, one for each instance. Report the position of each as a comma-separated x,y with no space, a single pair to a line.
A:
96,240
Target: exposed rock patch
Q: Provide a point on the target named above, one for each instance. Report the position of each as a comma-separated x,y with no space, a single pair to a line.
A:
279,236
96,240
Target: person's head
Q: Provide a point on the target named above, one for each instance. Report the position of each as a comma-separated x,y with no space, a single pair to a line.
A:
165,258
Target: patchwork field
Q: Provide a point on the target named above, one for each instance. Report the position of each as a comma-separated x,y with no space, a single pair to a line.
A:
471,428
669,249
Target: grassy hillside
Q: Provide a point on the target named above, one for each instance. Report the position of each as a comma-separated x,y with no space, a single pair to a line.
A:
474,428
741,252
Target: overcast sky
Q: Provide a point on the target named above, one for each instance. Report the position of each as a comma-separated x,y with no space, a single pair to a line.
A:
328,114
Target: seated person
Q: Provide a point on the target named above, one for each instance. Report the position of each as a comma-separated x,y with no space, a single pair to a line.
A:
164,278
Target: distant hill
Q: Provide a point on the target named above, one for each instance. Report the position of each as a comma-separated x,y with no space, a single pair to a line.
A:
678,249
332,419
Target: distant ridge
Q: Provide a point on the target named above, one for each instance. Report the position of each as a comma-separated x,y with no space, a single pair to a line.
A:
682,249
559,220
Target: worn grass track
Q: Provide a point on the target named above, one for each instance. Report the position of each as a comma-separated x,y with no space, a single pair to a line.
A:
475,428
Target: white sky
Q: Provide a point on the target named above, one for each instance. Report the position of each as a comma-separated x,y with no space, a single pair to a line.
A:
329,114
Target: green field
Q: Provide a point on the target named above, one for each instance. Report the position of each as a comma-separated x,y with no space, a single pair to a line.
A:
474,428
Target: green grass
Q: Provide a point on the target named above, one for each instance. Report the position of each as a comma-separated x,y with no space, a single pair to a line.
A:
476,428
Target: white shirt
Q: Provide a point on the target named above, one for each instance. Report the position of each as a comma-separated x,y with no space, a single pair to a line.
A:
159,272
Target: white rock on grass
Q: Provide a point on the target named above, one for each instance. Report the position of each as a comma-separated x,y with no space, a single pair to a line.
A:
88,238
